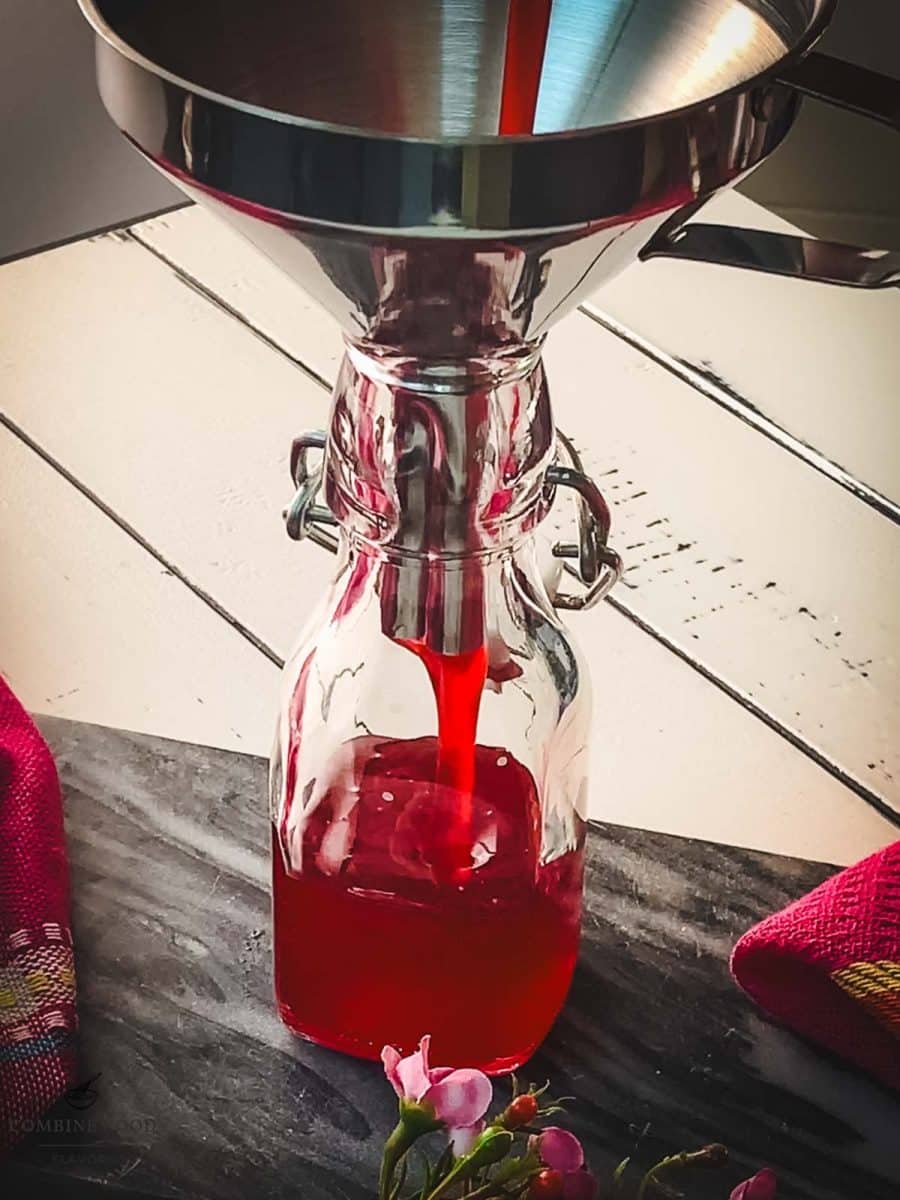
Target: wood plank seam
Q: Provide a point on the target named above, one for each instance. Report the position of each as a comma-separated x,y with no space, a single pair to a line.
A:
747,704
88,234
717,390
222,304
882,807
704,381
169,566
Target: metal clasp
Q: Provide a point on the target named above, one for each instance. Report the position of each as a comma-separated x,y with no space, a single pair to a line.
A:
599,566
304,517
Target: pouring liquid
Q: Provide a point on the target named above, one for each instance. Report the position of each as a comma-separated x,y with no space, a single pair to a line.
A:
420,903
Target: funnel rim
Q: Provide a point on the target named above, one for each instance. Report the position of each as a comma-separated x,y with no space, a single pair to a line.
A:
802,46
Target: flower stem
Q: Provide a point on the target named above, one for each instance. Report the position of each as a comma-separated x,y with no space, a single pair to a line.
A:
714,1155
487,1192
394,1149
651,1180
449,1179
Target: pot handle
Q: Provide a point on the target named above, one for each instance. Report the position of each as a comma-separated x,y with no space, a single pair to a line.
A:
847,86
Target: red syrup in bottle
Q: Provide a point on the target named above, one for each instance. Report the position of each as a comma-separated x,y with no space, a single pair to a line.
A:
417,902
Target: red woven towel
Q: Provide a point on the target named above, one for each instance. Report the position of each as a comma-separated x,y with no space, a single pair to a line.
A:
828,966
37,979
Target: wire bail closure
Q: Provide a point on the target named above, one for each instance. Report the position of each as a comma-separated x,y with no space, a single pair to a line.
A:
304,518
590,560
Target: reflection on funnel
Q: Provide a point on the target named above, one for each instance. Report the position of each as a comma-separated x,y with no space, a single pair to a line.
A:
472,43
730,39
610,61
578,49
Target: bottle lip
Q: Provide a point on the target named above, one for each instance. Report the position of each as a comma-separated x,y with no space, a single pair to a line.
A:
448,560
444,376
487,536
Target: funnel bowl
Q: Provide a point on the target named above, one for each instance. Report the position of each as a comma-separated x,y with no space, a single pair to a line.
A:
356,143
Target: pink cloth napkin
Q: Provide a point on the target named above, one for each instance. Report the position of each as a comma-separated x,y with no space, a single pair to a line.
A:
828,966
37,977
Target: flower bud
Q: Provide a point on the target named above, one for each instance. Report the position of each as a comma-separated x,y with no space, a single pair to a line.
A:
763,1186
714,1155
520,1111
547,1186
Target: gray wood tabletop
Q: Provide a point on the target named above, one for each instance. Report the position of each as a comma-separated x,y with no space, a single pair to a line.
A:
201,1093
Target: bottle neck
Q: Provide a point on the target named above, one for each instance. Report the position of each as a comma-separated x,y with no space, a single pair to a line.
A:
438,464
439,460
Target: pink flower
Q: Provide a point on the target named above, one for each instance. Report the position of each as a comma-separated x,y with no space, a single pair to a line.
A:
562,1151
458,1097
762,1186
464,1137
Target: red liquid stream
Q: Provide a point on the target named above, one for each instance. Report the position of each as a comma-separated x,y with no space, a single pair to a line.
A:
457,681
526,41
419,904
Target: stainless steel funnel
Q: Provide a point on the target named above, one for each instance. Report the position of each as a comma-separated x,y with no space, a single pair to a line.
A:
334,135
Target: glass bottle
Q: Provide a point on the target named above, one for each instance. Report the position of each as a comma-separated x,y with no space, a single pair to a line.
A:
428,783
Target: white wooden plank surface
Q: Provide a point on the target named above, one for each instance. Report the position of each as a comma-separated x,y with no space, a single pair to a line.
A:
209,252
776,579
822,362
92,628
179,418
764,570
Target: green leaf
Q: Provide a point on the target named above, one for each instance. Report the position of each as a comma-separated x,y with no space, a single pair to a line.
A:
429,1176
401,1180
619,1173
493,1145
515,1169
444,1163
